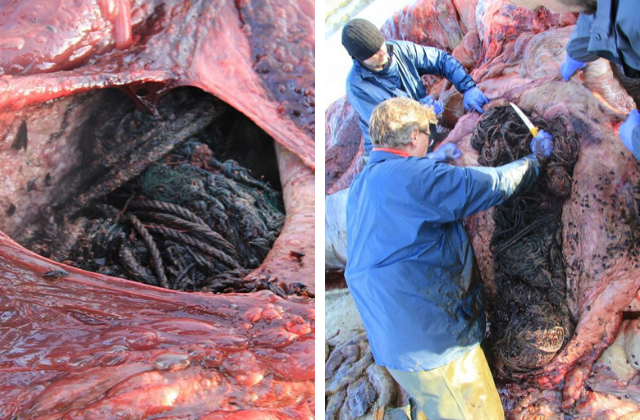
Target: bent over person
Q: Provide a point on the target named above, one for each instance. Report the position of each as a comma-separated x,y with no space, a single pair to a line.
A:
411,269
383,70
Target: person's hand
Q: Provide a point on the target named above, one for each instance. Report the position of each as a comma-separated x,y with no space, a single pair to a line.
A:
475,98
445,153
428,100
627,127
570,66
542,144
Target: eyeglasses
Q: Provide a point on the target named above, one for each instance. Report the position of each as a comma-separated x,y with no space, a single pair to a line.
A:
431,139
428,134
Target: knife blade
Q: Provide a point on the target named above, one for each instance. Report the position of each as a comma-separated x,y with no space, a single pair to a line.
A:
532,128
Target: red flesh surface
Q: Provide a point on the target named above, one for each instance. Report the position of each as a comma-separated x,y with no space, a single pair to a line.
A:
256,56
93,346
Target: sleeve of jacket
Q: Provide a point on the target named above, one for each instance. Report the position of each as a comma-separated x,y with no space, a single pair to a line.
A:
578,44
460,192
429,60
363,104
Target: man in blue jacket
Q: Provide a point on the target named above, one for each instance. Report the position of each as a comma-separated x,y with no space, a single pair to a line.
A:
383,70
609,29
411,269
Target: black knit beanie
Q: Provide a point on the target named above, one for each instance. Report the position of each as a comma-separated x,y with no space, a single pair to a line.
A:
361,38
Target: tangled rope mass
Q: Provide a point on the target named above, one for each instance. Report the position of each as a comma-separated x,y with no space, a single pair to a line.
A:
531,320
188,222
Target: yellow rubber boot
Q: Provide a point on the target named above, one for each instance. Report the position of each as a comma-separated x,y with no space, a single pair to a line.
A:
461,390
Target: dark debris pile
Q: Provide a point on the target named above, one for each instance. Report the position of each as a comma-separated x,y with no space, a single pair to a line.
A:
531,320
182,224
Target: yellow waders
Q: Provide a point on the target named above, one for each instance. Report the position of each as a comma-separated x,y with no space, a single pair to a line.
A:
462,390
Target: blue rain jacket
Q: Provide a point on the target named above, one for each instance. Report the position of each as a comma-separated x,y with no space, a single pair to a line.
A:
410,268
613,33
366,89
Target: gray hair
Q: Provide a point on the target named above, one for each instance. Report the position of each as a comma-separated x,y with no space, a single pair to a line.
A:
393,121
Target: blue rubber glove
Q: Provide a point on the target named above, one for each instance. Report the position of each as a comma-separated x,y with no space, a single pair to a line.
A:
542,144
445,153
627,127
475,98
570,66
438,106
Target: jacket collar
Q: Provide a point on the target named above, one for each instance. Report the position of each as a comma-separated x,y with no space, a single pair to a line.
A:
362,71
380,155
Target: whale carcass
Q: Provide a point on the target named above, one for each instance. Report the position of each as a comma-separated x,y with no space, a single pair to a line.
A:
588,369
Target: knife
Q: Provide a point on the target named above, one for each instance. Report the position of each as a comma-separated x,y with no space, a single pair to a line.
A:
532,128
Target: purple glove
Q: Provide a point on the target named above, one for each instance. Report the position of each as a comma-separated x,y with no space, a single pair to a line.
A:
627,127
542,144
445,153
474,98
570,66
438,106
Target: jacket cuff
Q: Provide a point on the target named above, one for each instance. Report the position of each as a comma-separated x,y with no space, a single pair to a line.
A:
578,45
466,85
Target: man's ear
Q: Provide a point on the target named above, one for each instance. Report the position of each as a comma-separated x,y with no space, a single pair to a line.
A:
414,137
